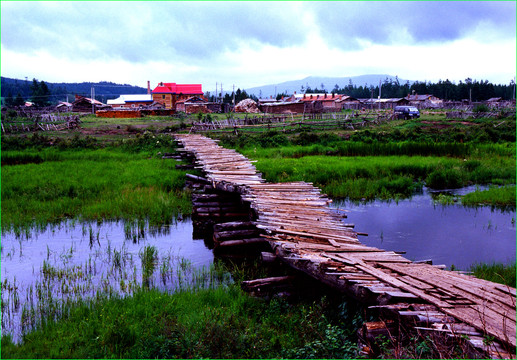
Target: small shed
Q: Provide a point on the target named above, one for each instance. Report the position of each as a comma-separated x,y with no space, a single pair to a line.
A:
192,105
494,100
297,107
424,101
64,106
84,104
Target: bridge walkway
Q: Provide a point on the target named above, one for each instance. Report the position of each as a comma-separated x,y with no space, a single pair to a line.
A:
312,237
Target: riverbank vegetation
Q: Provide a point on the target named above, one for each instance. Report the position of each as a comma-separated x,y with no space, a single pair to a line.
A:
48,182
211,322
498,196
496,272
381,169
208,316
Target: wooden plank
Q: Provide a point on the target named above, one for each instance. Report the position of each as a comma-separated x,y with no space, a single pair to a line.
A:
479,321
381,275
319,236
466,287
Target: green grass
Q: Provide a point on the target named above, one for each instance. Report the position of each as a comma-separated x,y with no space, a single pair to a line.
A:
222,322
382,177
501,196
91,184
373,164
496,272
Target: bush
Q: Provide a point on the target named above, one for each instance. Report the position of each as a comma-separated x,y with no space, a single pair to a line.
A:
272,139
444,179
481,108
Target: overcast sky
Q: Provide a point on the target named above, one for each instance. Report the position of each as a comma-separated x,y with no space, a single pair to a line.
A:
256,43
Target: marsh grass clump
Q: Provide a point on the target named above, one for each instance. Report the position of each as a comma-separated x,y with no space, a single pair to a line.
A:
495,272
149,258
444,179
502,197
385,170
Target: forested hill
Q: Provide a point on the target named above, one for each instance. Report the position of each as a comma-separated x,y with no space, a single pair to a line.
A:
58,91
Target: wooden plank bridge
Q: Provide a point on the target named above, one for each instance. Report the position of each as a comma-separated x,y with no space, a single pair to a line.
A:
305,232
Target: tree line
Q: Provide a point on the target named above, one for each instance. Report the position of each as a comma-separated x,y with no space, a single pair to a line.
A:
16,92
469,89
229,97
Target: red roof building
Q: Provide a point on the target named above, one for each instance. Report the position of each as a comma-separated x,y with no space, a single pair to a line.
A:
169,93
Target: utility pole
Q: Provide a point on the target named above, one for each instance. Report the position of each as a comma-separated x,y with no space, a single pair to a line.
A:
216,93
93,100
380,94
222,92
233,100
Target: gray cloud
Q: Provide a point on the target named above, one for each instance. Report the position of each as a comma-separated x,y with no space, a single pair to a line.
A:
346,23
137,31
203,39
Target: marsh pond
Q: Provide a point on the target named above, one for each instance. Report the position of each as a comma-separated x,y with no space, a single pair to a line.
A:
43,270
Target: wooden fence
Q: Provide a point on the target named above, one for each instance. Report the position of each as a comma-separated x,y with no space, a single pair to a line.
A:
494,113
40,122
323,121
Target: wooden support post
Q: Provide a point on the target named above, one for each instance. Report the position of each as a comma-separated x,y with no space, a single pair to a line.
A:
197,178
263,285
240,242
268,257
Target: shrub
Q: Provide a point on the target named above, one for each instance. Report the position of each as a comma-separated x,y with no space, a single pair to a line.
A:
481,108
444,179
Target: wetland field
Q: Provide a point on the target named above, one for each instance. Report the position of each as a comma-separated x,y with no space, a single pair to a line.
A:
99,260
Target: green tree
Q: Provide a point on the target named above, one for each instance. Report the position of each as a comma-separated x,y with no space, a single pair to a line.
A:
40,93
9,100
19,100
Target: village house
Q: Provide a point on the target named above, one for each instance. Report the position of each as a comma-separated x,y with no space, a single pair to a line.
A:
131,101
84,104
327,101
269,100
283,107
424,101
170,93
192,105
308,103
64,106
348,102
384,103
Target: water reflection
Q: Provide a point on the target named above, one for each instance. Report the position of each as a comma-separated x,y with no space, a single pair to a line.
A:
447,234
42,272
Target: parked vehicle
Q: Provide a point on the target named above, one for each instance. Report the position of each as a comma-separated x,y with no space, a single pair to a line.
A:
406,112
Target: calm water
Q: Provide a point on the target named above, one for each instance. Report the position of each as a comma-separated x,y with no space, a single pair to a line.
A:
49,268
447,234
74,260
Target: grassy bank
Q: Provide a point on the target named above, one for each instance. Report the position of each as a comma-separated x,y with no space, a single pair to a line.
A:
45,184
385,177
496,272
366,165
213,322
222,322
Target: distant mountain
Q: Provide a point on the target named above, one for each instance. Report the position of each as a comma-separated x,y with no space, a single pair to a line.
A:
60,91
314,82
